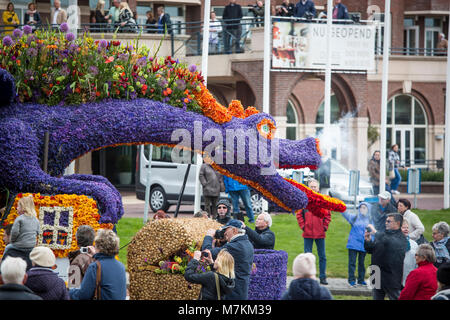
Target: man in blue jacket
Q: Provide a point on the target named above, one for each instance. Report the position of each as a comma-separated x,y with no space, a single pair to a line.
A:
236,190
242,251
340,11
303,7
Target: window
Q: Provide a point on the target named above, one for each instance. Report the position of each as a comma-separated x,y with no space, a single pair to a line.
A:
411,36
334,110
433,26
292,122
406,126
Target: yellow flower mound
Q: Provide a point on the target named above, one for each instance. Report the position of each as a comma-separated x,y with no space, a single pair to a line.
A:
85,212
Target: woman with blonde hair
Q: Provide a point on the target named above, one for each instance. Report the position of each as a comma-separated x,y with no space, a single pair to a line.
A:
100,16
215,284
25,228
126,20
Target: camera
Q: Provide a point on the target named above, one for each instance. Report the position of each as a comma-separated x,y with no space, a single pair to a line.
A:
368,229
84,250
220,234
205,254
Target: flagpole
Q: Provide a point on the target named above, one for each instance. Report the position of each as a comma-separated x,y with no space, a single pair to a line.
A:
205,52
384,93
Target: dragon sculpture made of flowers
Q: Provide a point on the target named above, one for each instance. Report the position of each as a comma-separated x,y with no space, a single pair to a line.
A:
87,95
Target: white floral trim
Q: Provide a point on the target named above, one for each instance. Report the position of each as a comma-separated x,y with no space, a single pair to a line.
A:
55,228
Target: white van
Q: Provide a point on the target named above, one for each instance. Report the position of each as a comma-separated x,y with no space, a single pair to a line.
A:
166,180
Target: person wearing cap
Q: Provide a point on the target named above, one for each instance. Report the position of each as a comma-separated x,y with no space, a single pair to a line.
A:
42,280
379,212
12,279
223,211
262,237
443,278
239,246
305,286
388,250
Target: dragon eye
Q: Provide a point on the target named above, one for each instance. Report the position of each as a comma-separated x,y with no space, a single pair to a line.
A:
266,128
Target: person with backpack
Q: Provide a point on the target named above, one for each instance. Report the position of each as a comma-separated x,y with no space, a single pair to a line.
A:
80,261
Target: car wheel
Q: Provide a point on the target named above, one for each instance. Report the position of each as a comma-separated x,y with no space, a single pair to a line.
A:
256,200
158,199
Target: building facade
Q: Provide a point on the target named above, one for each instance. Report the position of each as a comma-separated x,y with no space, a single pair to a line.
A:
416,91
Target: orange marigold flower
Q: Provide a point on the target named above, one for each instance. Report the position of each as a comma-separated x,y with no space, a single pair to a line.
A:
236,109
250,111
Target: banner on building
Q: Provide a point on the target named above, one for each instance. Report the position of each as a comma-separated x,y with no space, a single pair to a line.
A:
304,46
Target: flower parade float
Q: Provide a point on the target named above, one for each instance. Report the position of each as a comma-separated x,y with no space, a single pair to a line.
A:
64,96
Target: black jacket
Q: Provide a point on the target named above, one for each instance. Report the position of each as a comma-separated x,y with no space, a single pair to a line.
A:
261,239
306,289
242,251
36,17
388,252
223,221
232,12
17,292
208,282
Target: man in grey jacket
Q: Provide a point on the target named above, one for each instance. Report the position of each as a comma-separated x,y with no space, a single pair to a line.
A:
241,249
212,183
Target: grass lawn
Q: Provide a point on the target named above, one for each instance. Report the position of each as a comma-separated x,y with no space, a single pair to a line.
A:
289,238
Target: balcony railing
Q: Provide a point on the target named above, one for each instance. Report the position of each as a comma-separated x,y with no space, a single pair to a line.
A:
228,39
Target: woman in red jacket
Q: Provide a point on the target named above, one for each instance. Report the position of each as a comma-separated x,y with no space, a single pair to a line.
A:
314,226
421,283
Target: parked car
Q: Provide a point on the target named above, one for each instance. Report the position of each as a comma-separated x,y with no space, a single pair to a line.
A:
166,179
339,185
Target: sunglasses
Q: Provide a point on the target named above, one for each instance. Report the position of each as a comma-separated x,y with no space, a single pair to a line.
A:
220,207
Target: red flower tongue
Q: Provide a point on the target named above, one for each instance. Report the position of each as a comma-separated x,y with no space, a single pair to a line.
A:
317,201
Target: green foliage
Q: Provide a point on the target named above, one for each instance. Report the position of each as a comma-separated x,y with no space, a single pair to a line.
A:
427,175
52,67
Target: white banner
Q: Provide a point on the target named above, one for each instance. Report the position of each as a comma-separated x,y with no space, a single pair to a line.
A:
303,46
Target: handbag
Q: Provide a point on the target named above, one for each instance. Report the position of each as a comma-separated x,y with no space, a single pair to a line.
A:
217,285
97,292
421,240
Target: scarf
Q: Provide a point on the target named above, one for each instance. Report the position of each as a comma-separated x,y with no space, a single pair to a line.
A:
442,253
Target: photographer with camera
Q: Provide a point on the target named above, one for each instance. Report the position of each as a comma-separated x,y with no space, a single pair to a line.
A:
388,253
81,259
10,18
216,283
258,12
359,222
262,237
238,245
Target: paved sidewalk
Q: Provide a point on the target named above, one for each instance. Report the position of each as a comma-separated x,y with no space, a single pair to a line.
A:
339,286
